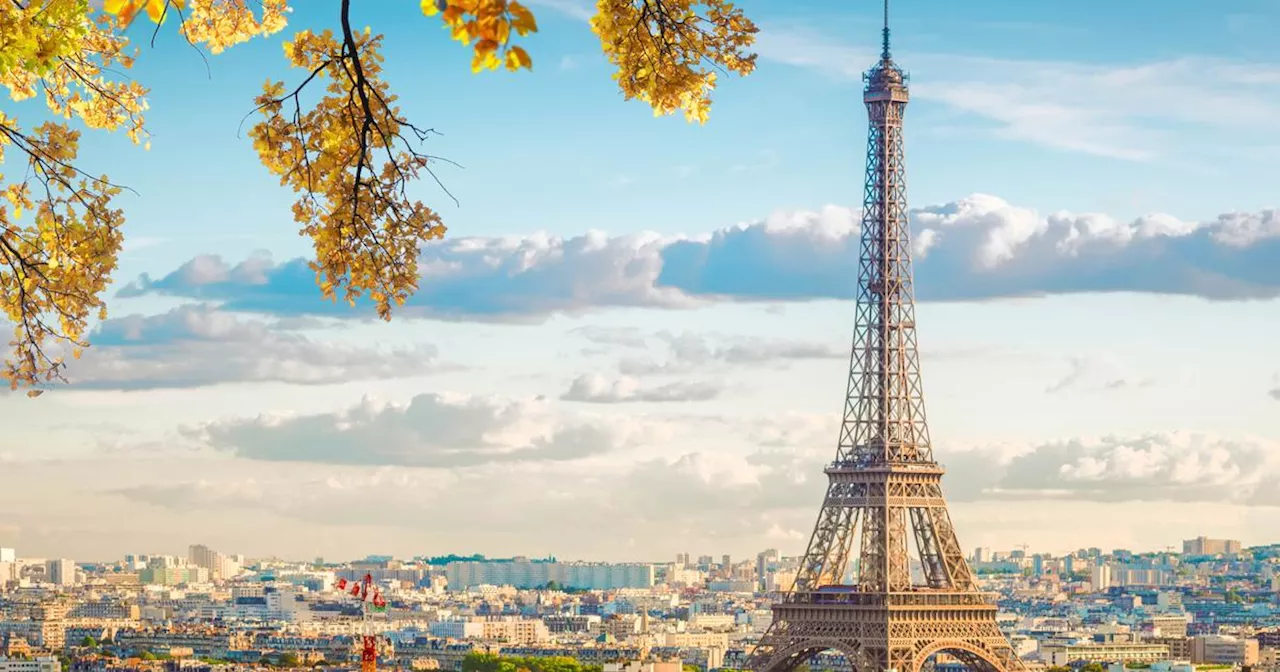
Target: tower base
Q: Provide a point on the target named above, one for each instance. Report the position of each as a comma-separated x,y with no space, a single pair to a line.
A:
881,632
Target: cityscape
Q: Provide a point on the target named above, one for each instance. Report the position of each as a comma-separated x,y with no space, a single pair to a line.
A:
1212,604
599,401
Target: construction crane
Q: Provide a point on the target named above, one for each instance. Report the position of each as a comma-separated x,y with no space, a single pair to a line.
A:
371,601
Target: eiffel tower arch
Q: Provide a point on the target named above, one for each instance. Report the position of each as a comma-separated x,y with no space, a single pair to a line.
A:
884,491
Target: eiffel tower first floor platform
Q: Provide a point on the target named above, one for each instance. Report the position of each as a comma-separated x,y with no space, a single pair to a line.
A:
885,632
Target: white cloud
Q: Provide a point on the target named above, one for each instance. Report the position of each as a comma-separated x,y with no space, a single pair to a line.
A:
979,247
448,472
720,497
691,352
597,389
1174,466
431,430
197,345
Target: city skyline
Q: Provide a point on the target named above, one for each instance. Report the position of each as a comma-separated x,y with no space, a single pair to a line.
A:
694,557
201,555
650,385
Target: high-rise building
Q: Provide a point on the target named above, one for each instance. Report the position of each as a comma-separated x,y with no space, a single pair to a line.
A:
1207,546
1101,579
219,566
1224,650
765,563
8,555
61,572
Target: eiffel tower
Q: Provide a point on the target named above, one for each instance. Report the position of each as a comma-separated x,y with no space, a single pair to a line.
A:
884,485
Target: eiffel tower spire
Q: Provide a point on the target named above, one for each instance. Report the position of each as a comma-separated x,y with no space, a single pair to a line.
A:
884,493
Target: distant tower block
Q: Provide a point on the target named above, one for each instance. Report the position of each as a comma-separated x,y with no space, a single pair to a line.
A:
884,493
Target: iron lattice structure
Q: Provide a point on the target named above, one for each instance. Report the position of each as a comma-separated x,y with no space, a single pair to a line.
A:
885,489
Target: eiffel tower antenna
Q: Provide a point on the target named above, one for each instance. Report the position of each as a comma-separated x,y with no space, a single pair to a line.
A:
884,491
884,49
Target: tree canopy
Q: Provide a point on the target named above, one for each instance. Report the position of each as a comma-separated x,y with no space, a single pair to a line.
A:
348,156
489,662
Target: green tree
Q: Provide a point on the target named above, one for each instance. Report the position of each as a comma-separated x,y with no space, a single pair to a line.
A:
89,642
490,662
147,655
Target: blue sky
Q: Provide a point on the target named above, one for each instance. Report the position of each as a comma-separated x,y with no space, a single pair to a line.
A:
1091,186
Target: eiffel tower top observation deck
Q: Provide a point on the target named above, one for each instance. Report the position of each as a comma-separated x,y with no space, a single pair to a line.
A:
885,80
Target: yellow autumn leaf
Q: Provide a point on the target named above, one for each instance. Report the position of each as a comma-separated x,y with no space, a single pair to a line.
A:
522,19
517,58
156,9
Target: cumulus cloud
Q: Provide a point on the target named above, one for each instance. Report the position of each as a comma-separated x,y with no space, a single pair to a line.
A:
324,496
1154,467
979,247
1274,392
198,345
717,493
431,430
1169,467
595,388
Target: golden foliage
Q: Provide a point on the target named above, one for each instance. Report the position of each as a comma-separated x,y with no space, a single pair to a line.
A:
224,23
349,157
667,51
217,24
488,23
350,162
59,234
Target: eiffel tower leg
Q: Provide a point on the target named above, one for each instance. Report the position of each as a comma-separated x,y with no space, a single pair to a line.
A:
827,558
785,645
